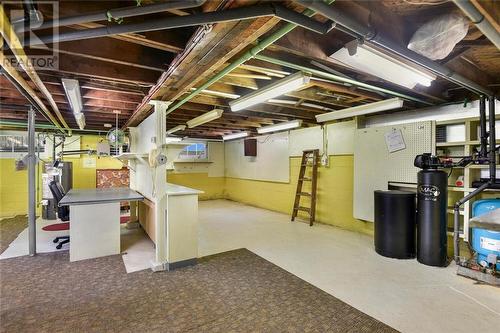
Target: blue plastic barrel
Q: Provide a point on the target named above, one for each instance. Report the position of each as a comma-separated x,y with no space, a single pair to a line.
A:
485,242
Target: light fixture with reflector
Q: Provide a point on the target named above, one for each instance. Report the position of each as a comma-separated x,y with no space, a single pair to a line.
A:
205,118
176,129
235,136
72,90
362,57
388,104
280,127
170,139
80,120
278,88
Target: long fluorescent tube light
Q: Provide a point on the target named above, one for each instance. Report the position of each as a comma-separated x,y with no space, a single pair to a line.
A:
80,120
369,60
280,127
278,88
235,136
170,139
176,129
218,93
388,104
205,118
72,89
289,102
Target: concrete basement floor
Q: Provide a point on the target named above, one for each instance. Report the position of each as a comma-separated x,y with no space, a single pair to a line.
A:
404,294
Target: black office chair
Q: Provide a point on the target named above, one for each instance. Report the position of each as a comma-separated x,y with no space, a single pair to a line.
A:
62,212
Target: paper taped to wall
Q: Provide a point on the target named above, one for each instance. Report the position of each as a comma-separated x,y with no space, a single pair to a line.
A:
89,162
394,141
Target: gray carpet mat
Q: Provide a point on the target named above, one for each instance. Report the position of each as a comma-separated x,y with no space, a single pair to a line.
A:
236,291
10,228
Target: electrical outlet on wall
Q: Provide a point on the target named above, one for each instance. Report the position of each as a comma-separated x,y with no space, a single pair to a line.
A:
324,160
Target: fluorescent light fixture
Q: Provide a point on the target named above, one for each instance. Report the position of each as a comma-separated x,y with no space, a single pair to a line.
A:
280,127
176,129
290,102
170,139
16,141
235,136
205,118
80,120
72,89
369,60
388,104
278,88
218,93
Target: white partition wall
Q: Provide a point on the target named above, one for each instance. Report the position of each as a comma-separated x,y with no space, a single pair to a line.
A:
341,137
306,139
271,163
375,166
149,178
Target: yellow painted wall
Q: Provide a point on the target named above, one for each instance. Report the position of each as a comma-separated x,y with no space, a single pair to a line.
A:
85,177
212,186
335,186
334,195
14,184
13,189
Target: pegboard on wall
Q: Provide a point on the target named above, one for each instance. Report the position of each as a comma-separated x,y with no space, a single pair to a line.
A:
375,166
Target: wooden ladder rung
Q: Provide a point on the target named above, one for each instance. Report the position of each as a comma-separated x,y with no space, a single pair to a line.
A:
305,194
304,209
307,179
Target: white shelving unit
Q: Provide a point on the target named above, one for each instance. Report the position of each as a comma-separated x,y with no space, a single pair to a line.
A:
463,146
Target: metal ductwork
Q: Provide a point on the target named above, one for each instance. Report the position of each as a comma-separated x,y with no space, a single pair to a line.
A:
479,20
120,13
371,35
236,14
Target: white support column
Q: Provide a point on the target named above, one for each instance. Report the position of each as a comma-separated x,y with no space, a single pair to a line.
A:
160,183
31,183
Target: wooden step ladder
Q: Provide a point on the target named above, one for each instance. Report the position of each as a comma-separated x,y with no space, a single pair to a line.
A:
310,158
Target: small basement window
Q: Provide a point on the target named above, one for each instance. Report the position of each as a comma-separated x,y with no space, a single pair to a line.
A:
195,151
15,143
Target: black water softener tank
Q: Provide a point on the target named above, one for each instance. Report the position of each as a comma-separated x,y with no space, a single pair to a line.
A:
432,202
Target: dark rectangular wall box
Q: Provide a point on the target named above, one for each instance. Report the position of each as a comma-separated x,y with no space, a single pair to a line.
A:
250,147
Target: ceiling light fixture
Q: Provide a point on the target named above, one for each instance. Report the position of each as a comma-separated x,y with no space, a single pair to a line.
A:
235,136
72,89
80,120
278,88
218,93
388,104
170,139
205,118
176,129
369,60
289,102
280,127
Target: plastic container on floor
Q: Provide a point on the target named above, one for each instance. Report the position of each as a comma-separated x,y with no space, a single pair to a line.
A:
395,224
485,242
